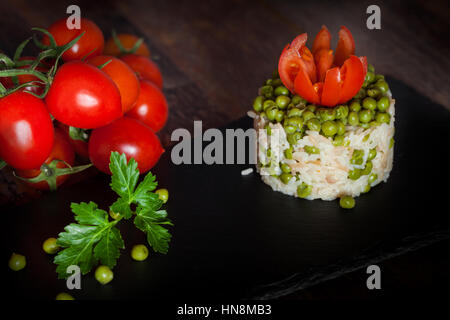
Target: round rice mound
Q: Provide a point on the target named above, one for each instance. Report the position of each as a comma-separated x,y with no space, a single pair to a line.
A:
327,172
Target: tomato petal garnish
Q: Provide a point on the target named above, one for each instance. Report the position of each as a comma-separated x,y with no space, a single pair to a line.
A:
324,60
332,87
345,47
308,60
322,40
288,67
352,75
304,87
364,62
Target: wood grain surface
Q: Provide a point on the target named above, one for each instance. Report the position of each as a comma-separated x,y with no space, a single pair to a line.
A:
215,54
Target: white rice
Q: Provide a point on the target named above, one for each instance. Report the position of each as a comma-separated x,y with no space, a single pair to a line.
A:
326,172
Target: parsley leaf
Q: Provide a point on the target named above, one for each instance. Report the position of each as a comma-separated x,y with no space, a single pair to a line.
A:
94,239
151,221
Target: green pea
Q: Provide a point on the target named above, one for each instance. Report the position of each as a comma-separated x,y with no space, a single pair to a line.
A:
17,262
364,116
267,104
341,112
367,188
327,114
372,154
311,150
347,202
383,104
268,82
367,169
370,76
382,86
64,296
266,91
353,118
281,91
355,106
50,246
277,82
298,100
340,128
391,143
379,77
263,115
370,68
282,101
163,194
294,137
288,153
354,174
369,103
295,112
313,124
285,177
373,92
364,125
383,117
304,190
366,137
269,153
344,121
271,113
279,116
104,274
258,103
308,115
285,167
311,107
329,128
338,140
139,252
374,123
372,178
290,128
268,129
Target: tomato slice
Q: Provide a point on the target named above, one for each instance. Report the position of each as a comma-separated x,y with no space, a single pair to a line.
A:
364,62
322,40
352,76
309,64
324,59
304,87
332,87
345,47
288,67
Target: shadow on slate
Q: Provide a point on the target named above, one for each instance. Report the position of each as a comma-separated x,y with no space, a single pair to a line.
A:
236,238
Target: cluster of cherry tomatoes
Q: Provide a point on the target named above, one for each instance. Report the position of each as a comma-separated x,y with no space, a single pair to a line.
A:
104,97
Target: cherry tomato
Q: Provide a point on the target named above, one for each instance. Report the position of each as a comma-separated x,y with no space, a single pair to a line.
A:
89,45
83,96
26,131
127,41
123,76
145,68
345,47
62,150
151,107
125,135
79,146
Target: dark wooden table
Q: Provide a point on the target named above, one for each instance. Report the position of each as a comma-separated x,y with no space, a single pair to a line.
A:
215,54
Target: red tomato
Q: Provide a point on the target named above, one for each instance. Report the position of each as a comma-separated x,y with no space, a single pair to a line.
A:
89,45
151,107
125,135
62,150
322,40
79,146
145,68
331,87
26,131
345,47
127,41
304,87
324,60
352,77
83,96
123,76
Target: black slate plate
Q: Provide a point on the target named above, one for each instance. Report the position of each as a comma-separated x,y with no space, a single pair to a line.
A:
236,238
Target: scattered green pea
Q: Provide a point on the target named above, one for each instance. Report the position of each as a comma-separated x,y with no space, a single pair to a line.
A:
64,296
163,194
329,128
104,274
347,202
50,246
17,262
139,252
311,150
304,190
285,177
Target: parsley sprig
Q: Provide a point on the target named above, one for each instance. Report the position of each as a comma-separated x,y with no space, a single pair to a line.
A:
96,239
